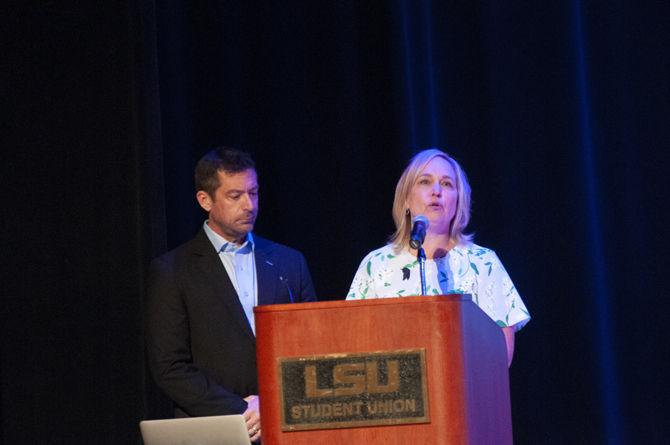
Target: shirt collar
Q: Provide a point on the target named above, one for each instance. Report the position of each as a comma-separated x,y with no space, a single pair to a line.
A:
221,244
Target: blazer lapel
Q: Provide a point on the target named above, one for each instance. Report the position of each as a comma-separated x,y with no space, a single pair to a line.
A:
267,274
216,280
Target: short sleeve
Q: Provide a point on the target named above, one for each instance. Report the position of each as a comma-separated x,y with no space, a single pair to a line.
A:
362,284
501,294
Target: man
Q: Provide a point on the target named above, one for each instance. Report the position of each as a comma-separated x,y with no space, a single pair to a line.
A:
200,331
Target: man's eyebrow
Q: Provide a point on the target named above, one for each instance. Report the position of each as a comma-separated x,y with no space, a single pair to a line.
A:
256,187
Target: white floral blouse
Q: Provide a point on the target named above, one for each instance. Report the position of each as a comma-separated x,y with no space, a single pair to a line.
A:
469,269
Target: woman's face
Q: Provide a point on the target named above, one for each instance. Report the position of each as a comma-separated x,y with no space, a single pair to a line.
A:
434,195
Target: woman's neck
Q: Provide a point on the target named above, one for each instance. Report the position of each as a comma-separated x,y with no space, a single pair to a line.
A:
436,245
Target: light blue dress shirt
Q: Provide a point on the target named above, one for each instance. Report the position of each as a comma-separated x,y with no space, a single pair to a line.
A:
241,267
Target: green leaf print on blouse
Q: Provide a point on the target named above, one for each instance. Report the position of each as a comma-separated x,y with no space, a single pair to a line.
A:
474,267
410,265
478,252
488,263
514,306
501,323
368,267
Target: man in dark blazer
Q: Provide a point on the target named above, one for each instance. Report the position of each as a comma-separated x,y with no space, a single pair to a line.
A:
200,337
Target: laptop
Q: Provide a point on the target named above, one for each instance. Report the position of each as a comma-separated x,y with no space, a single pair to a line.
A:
213,430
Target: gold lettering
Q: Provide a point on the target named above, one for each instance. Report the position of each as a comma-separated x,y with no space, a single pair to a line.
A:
410,405
371,369
311,389
353,383
295,412
326,410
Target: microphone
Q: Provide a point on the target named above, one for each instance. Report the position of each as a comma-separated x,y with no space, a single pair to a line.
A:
419,228
290,294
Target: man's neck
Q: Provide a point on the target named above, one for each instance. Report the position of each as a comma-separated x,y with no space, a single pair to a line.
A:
228,238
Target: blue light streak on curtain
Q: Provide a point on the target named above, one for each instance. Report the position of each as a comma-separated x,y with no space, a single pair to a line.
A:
609,391
408,56
420,85
430,73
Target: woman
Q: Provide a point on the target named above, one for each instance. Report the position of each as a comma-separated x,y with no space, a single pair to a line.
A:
434,185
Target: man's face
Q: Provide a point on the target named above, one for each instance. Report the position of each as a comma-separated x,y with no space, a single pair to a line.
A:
234,206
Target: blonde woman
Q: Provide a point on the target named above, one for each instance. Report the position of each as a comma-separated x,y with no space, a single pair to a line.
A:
434,185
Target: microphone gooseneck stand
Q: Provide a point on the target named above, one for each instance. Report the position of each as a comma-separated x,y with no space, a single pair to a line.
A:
421,257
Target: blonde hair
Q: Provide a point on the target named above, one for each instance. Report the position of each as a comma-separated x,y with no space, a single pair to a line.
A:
401,215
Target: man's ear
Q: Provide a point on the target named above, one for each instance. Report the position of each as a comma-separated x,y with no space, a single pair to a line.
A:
204,200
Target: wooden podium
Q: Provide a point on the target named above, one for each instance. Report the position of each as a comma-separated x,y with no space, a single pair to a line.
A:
346,361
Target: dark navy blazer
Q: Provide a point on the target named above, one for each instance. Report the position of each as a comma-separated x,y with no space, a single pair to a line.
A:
200,347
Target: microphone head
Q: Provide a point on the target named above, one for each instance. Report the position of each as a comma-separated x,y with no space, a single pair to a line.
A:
420,219
418,234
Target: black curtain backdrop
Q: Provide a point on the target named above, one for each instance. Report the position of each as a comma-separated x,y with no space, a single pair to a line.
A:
558,112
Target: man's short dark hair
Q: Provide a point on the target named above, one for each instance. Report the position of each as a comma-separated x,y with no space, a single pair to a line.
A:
229,160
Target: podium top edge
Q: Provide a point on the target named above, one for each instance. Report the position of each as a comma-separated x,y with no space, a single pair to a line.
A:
358,303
